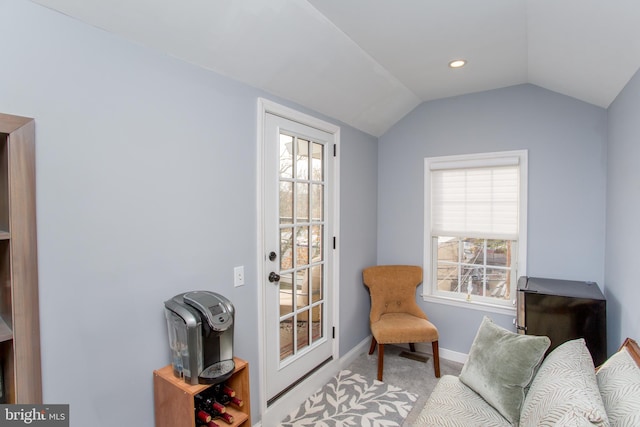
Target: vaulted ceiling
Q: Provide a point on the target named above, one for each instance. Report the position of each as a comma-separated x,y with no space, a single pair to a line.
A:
369,62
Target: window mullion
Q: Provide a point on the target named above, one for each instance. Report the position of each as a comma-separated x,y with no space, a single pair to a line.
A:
484,268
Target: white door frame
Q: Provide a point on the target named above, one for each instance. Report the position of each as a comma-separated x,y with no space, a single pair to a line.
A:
278,410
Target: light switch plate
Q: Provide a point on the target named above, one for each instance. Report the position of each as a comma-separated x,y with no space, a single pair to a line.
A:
238,276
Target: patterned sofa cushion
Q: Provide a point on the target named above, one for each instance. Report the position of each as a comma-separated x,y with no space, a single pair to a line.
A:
619,383
453,404
565,391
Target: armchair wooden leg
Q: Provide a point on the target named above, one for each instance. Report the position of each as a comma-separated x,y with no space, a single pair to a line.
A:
412,347
436,358
373,345
380,360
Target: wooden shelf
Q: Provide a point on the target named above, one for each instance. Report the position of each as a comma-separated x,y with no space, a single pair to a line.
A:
173,398
19,312
6,334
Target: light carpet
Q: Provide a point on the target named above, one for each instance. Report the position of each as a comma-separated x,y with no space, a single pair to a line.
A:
412,375
352,399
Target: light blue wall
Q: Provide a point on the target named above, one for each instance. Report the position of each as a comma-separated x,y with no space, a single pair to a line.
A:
359,238
623,206
146,187
566,140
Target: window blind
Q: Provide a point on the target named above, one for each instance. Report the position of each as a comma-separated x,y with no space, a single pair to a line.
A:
476,201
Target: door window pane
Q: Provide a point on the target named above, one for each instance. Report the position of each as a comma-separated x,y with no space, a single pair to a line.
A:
302,288
286,338
317,202
302,159
316,283
302,202
303,330
286,248
286,294
316,243
286,157
302,246
317,167
316,323
286,202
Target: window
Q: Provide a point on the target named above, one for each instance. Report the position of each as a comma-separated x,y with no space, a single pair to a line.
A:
475,227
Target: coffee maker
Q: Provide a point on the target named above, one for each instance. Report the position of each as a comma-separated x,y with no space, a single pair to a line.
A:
200,325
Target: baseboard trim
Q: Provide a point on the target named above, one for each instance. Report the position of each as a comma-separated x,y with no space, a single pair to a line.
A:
355,352
425,347
454,356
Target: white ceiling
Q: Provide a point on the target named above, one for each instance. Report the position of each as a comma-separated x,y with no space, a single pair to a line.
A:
370,62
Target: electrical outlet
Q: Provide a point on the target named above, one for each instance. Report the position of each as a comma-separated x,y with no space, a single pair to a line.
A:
238,276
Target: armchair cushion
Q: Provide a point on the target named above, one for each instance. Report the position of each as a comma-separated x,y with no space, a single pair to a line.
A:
501,365
403,328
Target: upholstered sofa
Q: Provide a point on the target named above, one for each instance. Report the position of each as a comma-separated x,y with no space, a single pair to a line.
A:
507,380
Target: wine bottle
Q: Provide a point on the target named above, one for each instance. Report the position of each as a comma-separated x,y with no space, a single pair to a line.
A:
222,388
214,415
209,424
226,417
207,403
202,415
223,393
225,389
223,399
237,402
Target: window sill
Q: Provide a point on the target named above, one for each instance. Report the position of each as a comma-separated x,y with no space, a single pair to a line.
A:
474,305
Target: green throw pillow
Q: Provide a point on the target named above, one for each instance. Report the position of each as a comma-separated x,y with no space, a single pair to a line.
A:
501,365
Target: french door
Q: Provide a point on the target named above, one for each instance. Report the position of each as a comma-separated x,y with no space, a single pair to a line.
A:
298,227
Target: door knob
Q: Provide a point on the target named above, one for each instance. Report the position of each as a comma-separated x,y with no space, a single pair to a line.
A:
274,277
272,256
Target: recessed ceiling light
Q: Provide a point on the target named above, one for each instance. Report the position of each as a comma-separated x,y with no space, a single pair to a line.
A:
457,63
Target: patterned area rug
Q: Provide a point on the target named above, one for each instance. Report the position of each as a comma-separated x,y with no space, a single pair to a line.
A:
350,400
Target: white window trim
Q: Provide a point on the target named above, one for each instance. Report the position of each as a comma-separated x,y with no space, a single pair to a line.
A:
474,160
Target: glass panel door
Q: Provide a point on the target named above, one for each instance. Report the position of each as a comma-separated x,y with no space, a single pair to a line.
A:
298,215
301,286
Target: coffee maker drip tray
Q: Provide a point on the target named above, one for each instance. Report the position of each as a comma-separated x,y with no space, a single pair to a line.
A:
217,373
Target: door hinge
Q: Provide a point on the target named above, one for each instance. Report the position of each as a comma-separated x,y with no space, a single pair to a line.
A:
333,332
334,242
335,150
